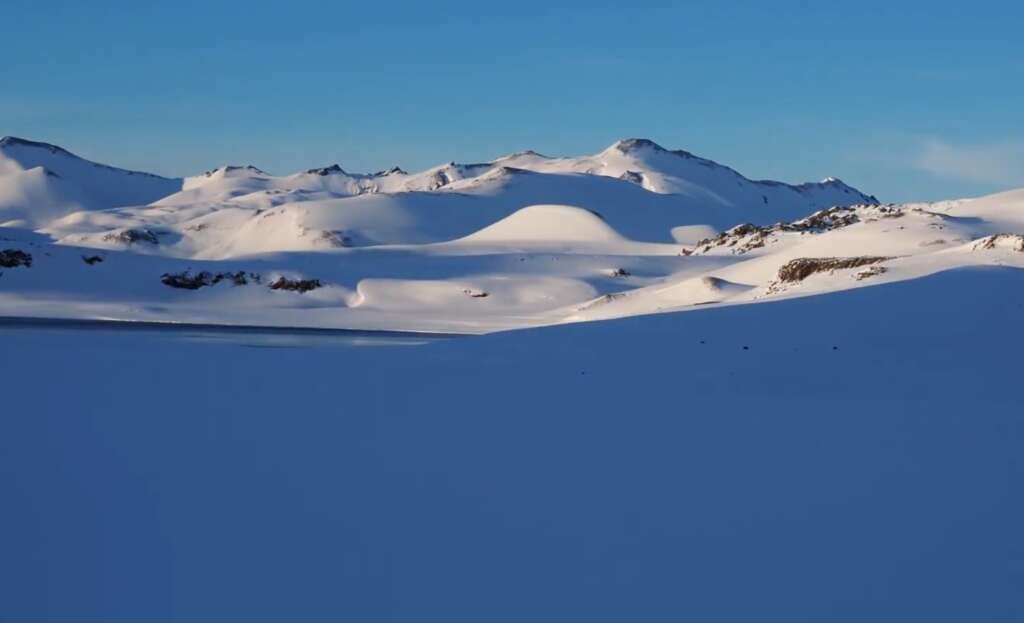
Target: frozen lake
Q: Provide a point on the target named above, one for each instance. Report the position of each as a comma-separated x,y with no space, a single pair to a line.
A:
258,337
852,457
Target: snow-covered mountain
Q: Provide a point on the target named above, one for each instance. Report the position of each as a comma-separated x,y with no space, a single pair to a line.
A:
717,387
520,241
637,161
644,162
39,181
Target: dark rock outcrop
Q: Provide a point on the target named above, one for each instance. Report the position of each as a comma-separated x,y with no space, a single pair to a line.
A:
296,285
1005,241
132,236
747,237
12,258
802,268
334,169
633,177
193,281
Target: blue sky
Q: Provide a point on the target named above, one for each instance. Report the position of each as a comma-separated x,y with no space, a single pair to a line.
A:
916,101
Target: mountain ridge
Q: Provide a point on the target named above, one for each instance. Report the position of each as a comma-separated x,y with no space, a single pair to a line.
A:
671,177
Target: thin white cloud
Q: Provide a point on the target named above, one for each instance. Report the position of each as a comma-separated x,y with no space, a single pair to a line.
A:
1000,163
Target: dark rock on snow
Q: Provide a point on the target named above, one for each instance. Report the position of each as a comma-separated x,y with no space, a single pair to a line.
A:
802,268
12,258
189,281
296,285
132,236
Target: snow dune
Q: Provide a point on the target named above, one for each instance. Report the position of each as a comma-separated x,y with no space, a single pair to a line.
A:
544,223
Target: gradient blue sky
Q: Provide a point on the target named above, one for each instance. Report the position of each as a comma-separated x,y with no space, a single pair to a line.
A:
904,100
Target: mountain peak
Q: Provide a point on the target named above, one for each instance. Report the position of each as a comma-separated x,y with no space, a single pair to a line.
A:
391,171
632,145
334,169
833,181
526,153
628,145
231,170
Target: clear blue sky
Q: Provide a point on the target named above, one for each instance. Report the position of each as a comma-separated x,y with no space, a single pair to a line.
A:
917,101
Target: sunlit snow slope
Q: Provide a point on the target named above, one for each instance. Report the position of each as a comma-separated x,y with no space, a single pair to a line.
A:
519,241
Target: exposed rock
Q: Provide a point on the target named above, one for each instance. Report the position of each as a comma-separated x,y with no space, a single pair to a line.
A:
747,237
335,238
620,272
295,285
872,271
628,145
334,169
438,179
132,236
802,268
633,177
12,258
232,168
92,259
1013,242
391,171
188,281
525,152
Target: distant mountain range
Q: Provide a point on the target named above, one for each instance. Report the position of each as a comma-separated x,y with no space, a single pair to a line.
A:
40,182
523,240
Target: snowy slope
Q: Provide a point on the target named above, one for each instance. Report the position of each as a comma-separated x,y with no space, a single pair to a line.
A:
39,181
222,212
825,427
644,162
849,457
543,264
225,216
522,241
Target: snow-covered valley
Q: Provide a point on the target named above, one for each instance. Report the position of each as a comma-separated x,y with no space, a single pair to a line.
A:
830,429
845,457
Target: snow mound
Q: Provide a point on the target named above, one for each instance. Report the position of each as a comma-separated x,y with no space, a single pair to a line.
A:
548,223
686,292
703,290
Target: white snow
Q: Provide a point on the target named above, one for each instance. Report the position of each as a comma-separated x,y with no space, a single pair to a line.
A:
524,240
39,181
797,445
854,456
545,223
